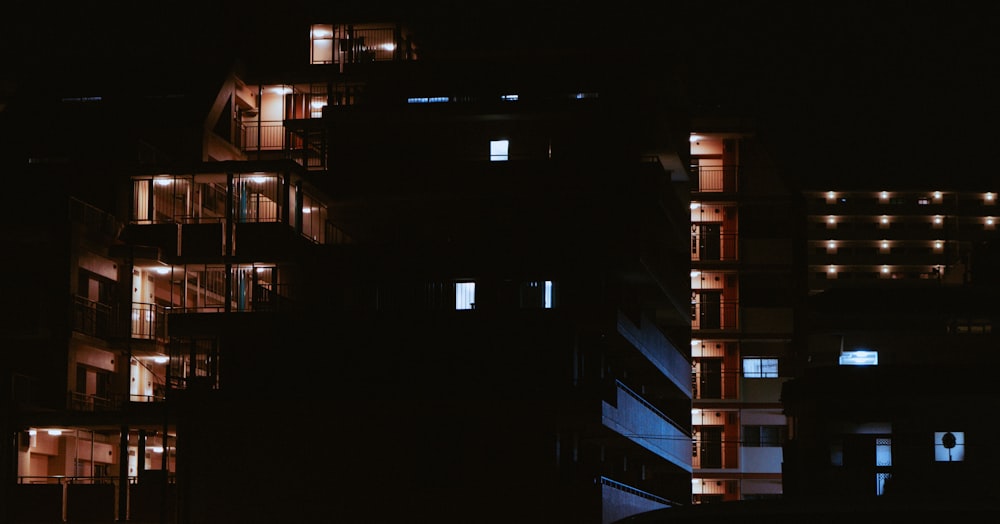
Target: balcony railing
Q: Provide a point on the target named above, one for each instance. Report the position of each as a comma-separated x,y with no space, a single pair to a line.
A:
86,402
719,316
148,322
92,318
715,179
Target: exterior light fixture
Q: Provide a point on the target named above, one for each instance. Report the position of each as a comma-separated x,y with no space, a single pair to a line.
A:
885,245
989,197
831,244
830,195
831,269
162,270
938,244
885,219
885,269
831,220
884,195
989,221
937,195
937,219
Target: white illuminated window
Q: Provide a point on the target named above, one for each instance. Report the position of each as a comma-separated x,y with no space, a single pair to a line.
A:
321,49
949,446
758,367
465,295
498,150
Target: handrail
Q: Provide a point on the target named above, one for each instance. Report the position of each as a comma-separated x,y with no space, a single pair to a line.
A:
656,411
635,491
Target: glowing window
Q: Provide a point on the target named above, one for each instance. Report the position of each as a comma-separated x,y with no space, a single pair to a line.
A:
949,446
321,49
465,295
537,294
498,150
758,367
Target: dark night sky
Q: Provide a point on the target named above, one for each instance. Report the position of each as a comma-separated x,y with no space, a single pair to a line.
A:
908,89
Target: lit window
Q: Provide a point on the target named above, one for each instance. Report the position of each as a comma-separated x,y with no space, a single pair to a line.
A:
757,367
949,446
498,150
537,294
465,295
859,357
321,50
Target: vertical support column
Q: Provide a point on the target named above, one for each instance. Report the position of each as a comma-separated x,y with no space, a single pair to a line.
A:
123,474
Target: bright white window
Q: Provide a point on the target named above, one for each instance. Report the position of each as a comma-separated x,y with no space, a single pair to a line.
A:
949,446
757,367
465,295
498,150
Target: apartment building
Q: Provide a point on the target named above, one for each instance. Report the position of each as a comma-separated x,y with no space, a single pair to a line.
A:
360,288
891,394
745,287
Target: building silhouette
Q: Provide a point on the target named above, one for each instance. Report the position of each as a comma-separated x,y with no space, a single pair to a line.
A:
891,392
364,287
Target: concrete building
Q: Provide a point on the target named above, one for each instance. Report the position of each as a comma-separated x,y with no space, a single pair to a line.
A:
363,287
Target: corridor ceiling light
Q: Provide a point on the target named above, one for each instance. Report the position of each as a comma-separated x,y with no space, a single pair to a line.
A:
695,205
54,432
161,359
162,270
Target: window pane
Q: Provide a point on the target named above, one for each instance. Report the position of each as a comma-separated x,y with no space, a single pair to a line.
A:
465,295
498,150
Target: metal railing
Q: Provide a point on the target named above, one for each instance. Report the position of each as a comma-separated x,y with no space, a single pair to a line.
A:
715,179
721,316
91,317
87,402
95,219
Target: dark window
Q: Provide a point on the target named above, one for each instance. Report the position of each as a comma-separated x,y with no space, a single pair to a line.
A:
763,436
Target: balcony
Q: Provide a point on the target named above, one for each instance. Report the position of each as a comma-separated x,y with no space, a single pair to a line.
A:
720,179
641,422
